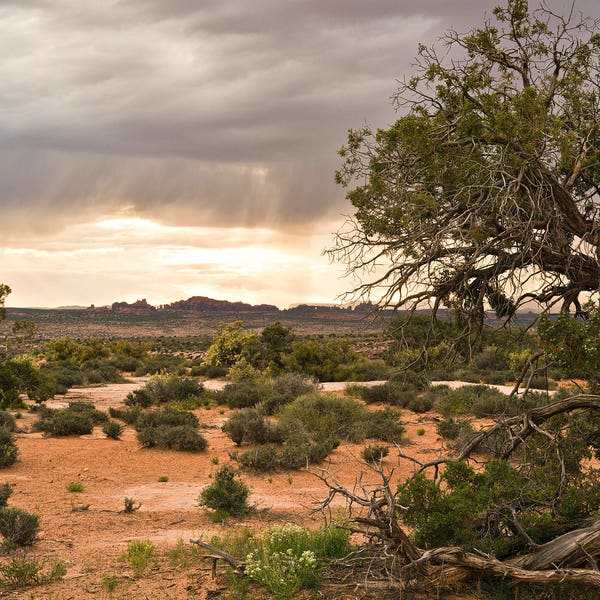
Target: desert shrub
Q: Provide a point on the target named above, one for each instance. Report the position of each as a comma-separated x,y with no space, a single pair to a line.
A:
285,389
420,404
327,414
183,437
374,453
113,430
368,370
332,416
165,388
129,416
226,495
176,437
300,449
384,425
289,558
139,553
243,394
8,448
413,379
18,527
20,571
5,493
450,428
7,421
263,459
207,370
387,393
130,505
75,486
462,400
90,410
251,426
65,422
165,418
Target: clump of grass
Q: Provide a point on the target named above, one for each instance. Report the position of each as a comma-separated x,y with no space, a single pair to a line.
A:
21,571
163,479
130,505
109,584
421,431
75,486
139,553
375,453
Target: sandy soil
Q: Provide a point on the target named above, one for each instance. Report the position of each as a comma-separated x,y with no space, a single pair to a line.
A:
89,531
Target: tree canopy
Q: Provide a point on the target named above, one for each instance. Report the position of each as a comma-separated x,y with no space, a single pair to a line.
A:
485,192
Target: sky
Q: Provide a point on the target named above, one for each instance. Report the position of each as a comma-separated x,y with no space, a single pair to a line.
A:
162,149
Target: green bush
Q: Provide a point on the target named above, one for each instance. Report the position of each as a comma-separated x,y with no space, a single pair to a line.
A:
289,558
420,404
129,416
373,454
450,428
178,437
387,393
226,495
263,459
7,421
165,388
285,389
5,493
26,571
18,527
139,553
165,418
251,426
64,422
383,425
8,448
112,430
243,394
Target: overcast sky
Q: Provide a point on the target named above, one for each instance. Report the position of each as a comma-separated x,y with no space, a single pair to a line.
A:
169,148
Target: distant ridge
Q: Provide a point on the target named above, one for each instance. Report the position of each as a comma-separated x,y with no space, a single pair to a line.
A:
203,304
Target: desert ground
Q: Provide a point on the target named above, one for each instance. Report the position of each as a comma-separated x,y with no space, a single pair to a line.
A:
89,530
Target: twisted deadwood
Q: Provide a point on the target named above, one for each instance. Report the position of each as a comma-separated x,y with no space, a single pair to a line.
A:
569,558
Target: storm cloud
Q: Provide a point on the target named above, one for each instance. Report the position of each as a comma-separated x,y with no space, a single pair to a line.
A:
219,113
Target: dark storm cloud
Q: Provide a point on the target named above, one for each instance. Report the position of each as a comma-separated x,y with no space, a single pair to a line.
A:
219,112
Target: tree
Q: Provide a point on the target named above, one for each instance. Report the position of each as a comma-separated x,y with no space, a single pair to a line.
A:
4,292
486,192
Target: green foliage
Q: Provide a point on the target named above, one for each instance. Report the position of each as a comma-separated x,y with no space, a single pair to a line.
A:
75,486
450,429
112,430
226,495
21,571
5,493
4,292
332,416
21,375
244,394
78,419
130,505
574,344
139,553
391,392
485,157
7,421
229,344
8,448
288,558
165,388
249,425
373,454
18,527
